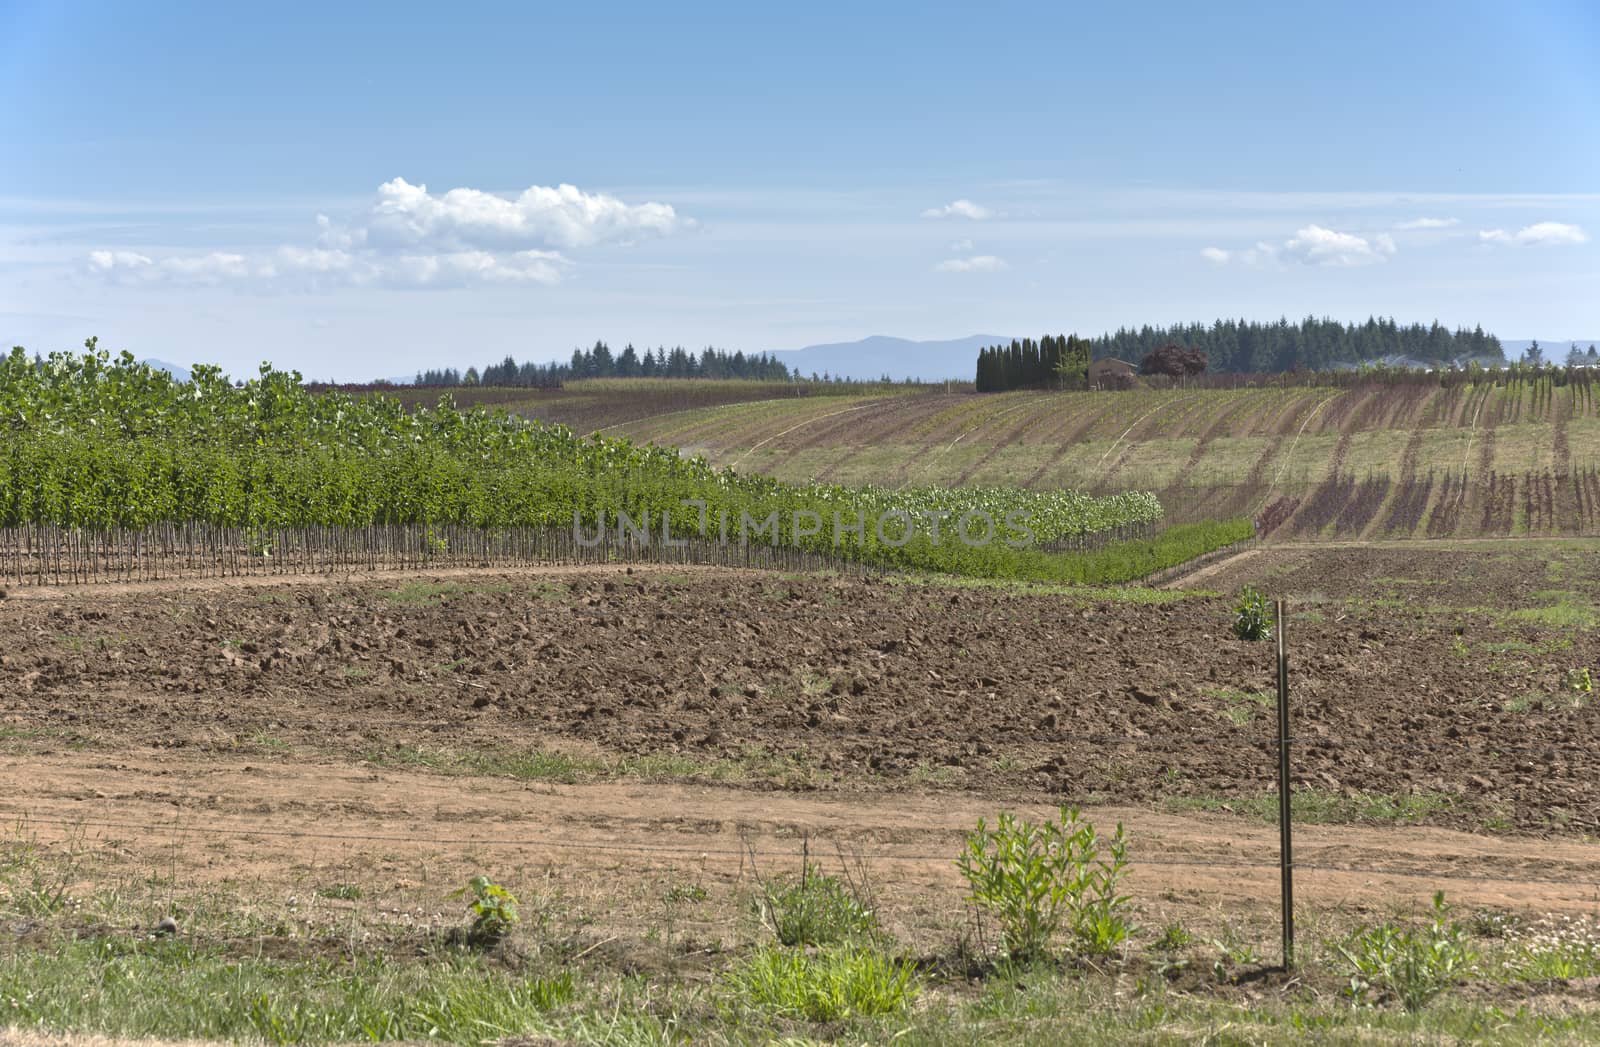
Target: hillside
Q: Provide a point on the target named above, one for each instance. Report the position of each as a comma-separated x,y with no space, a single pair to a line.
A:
1410,459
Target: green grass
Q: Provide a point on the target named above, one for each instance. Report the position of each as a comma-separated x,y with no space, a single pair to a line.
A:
273,977
1323,806
348,892
167,988
755,764
827,986
1242,706
1565,610
1086,594
426,594
815,909
1110,565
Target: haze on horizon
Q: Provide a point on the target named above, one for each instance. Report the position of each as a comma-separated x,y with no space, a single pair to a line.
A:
357,191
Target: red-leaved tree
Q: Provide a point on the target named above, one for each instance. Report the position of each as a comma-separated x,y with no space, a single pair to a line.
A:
1174,360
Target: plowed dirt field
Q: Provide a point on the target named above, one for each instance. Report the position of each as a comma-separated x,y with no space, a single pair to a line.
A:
617,727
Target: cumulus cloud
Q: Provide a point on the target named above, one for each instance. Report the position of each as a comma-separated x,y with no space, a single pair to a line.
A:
1540,234
1315,245
959,209
408,216
409,238
982,263
1429,223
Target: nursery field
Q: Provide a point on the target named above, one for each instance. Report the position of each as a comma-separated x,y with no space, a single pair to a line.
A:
291,671
1410,459
304,769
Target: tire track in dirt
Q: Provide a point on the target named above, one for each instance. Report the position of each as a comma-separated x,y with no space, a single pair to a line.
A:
1222,423
1191,579
1333,488
1252,482
1260,464
1202,867
809,421
1014,408
1106,477
713,428
1012,438
1561,414
821,436
871,432
687,410
1069,440
1401,491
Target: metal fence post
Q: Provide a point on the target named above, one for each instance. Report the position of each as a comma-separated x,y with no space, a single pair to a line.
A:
1285,820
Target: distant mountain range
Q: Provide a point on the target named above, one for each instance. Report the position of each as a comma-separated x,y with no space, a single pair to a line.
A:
1555,349
899,358
180,374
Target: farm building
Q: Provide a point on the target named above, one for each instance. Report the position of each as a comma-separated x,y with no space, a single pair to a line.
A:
1111,373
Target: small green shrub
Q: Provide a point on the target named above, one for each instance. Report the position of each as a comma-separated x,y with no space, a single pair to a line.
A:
1252,616
816,909
348,892
1415,965
493,910
1580,681
822,987
1174,937
1034,877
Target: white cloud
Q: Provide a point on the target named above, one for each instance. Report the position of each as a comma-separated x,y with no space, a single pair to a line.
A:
320,269
132,268
469,267
1315,245
1540,234
961,246
407,215
959,209
1429,223
409,238
1312,245
983,263
1250,256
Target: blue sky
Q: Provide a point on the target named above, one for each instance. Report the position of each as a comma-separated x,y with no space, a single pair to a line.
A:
210,182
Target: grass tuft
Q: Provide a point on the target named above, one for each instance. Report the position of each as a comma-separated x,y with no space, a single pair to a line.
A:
827,986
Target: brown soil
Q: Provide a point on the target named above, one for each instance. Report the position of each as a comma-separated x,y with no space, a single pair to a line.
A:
838,685
270,738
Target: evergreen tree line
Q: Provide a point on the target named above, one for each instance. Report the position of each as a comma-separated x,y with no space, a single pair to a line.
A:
1248,347
1054,361
601,362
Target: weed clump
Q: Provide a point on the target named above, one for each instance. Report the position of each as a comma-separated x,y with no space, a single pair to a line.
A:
826,986
1414,965
1033,878
816,909
1252,616
493,910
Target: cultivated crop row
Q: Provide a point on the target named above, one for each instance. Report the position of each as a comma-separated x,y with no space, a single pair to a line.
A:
106,449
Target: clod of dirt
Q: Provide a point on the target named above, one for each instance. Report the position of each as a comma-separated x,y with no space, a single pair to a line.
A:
167,927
